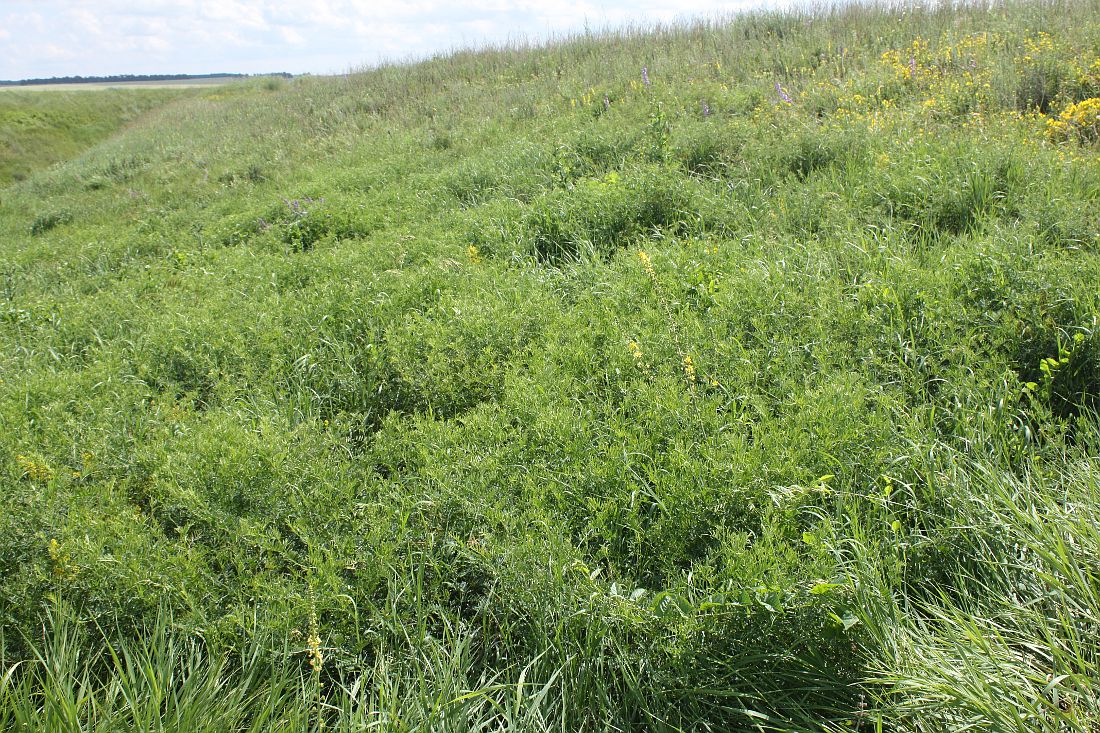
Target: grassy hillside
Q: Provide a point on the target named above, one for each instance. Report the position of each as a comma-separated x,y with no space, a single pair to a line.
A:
728,377
37,130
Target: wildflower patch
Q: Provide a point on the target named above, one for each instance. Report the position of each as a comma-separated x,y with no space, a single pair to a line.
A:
1078,122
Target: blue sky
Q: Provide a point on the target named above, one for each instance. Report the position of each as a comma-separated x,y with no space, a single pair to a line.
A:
42,38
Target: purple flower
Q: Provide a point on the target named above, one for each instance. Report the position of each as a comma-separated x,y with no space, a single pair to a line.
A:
783,96
706,108
645,75
298,206
912,67
606,103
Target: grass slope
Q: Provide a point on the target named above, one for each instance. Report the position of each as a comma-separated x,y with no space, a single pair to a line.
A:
38,130
526,390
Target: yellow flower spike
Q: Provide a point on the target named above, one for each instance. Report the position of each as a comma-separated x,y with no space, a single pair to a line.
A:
635,351
316,658
474,255
647,263
313,641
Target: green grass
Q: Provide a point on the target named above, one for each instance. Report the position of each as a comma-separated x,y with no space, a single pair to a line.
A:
38,130
504,391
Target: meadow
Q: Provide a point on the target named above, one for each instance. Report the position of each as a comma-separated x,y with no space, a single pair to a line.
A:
735,376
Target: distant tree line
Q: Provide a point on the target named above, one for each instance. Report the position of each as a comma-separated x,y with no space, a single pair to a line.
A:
126,77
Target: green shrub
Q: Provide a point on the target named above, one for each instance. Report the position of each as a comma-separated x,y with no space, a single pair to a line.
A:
602,215
50,220
593,154
704,151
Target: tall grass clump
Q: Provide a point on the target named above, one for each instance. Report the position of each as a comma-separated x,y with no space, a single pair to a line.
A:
998,636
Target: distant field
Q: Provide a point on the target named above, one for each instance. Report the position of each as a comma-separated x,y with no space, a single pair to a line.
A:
95,86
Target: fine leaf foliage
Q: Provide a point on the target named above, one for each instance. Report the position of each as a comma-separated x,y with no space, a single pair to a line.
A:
520,389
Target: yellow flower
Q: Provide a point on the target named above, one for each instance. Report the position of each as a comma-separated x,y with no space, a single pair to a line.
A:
635,351
689,368
35,470
313,641
1080,121
316,659
473,254
647,263
62,561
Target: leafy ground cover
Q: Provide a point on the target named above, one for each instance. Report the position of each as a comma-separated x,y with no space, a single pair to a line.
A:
738,376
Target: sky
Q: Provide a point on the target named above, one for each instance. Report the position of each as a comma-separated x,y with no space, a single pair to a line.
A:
44,38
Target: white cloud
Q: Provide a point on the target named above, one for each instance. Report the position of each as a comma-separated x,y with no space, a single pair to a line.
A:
291,36
87,21
236,13
53,51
